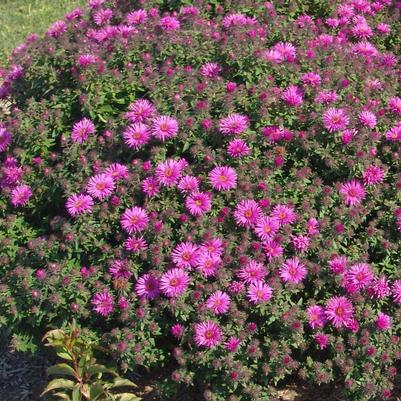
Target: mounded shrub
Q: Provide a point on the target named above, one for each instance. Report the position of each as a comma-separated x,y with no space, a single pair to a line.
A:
215,184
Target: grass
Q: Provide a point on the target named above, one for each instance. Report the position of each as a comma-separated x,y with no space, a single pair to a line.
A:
18,18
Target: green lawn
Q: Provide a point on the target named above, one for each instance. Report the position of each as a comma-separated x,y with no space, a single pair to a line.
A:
18,18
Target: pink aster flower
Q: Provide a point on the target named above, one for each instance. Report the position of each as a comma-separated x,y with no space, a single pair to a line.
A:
313,226
79,204
188,184
367,118
259,292
322,340
120,269
20,195
252,272
218,302
394,104
198,203
380,288
103,303
164,127
147,286
102,16
136,135
117,171
335,119
207,334
316,316
137,17
185,255
326,97
373,175
312,79
135,219
210,70
266,227
238,148
285,52
352,192
223,178
233,124
292,96
394,134
232,344
174,282
214,246
57,29
135,245
300,242
359,276
169,172
284,214
207,264
272,249
338,264
383,321
87,59
247,213
101,186
177,330
339,311
169,24
396,291
293,271
150,186
140,111
5,139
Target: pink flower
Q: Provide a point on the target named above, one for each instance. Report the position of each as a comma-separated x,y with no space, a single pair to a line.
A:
232,344
207,334
20,195
259,292
396,291
252,272
266,227
322,340
210,70
272,249
367,118
185,255
214,246
313,226
284,51
373,175
338,264
311,79
57,29
101,186
394,134
117,171
177,330
198,203
79,204
238,148
87,59
150,187
5,139
293,271
135,245
137,17
339,311
335,119
169,24
380,288
140,111
284,214
292,96
136,135
103,16
218,302
247,213
119,269
103,303
147,286
164,127
352,192
383,321
300,242
359,276
135,219
188,184
233,124
223,178
316,316
169,172
174,282
394,103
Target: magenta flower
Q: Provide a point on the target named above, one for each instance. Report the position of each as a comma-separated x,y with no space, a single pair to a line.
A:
259,292
101,186
335,119
150,186
238,148
272,249
247,213
164,127
188,184
214,246
383,321
266,227
119,269
284,214
147,286
136,135
174,282
140,111
396,291
339,311
210,70
394,104
223,178
292,96
232,344
380,288
185,255
137,17
252,272
135,219
169,172
218,302
207,263
359,276
5,139
207,334
373,175
233,124
198,203
316,316
368,119
79,204
322,340
169,24
352,192
394,134
177,330
293,271
135,245
20,195
338,264
117,171
300,242
103,303
57,29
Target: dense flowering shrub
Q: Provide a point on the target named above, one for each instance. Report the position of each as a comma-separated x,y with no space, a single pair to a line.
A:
214,183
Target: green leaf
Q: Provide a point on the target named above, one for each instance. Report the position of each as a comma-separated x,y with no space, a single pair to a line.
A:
128,397
95,369
58,383
119,382
76,393
61,369
62,396
95,391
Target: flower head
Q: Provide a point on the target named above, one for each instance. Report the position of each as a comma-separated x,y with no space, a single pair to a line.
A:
252,272
174,282
140,111
147,286
207,334
5,139
185,255
135,219
335,119
101,186
259,292
339,311
218,302
136,135
247,213
223,178
266,227
103,303
20,195
352,192
164,127
233,124
293,271
79,204
198,203
316,316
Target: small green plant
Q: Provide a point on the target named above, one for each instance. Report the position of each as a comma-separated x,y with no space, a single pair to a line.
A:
81,377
